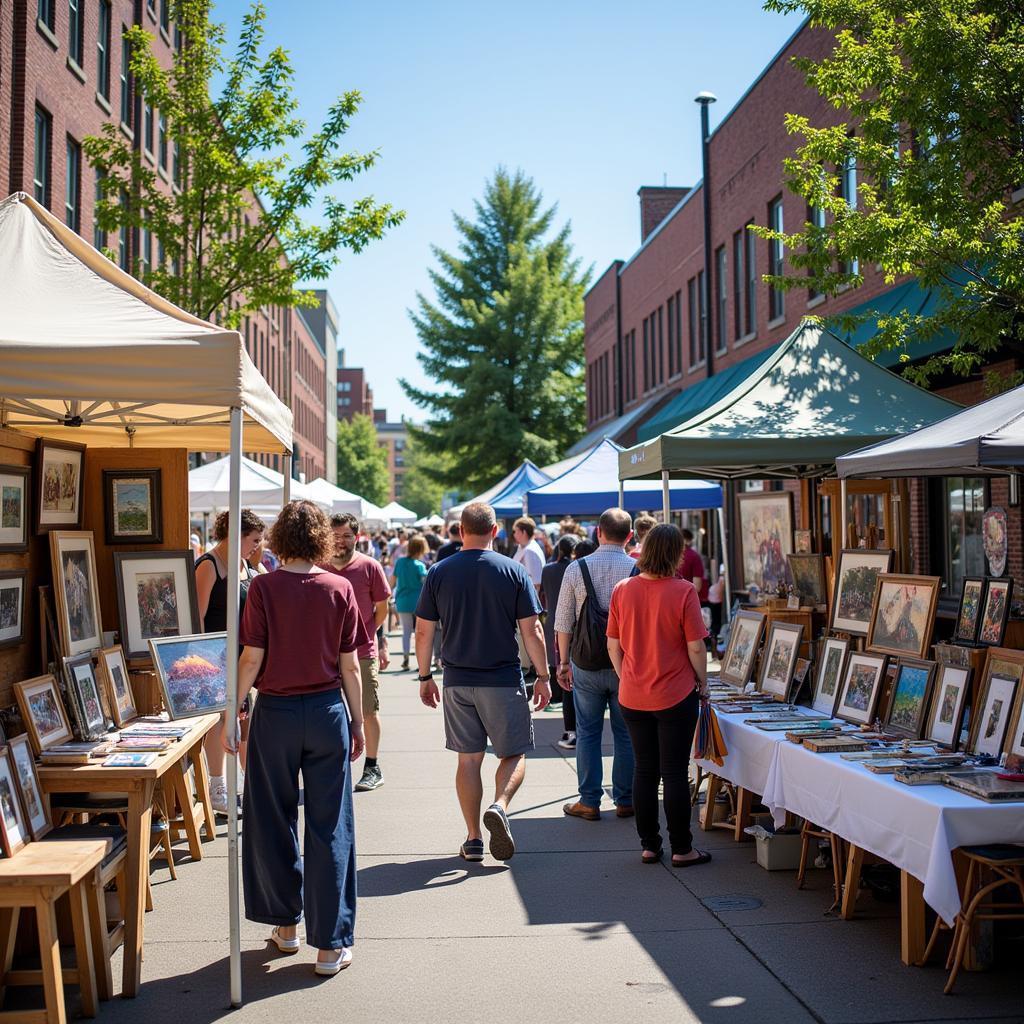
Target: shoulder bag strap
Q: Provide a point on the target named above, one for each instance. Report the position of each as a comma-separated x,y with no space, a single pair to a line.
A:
588,582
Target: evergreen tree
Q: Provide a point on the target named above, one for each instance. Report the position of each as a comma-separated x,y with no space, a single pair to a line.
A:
503,339
362,462
422,489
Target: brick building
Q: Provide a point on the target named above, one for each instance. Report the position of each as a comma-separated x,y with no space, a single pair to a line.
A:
393,438
355,396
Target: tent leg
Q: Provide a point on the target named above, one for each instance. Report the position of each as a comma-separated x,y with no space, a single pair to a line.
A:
622,494
727,605
842,513
233,559
286,484
666,500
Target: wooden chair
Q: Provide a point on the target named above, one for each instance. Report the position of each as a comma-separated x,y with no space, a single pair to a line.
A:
809,832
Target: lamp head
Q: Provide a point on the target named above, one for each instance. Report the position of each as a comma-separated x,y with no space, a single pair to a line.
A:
704,98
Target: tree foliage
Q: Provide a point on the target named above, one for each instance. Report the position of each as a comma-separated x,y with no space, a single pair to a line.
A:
362,462
231,234
503,338
932,95
422,484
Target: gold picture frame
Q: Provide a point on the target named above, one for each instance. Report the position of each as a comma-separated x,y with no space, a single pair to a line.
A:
903,614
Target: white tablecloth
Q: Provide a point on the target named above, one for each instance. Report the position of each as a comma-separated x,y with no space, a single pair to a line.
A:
751,752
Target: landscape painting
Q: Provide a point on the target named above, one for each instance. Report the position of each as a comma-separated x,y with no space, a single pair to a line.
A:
910,698
855,588
903,614
14,508
193,673
132,506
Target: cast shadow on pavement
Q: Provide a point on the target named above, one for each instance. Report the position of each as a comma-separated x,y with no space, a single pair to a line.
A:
393,879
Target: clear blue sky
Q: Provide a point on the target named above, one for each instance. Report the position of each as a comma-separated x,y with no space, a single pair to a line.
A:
592,99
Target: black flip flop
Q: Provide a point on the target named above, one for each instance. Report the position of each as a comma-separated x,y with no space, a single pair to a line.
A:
704,858
656,859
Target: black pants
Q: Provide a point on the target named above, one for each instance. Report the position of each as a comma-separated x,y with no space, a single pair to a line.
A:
565,696
662,741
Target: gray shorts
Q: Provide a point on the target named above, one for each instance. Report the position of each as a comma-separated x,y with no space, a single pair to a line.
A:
474,713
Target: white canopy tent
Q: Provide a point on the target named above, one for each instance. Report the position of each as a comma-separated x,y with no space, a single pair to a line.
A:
261,488
337,499
429,521
89,354
395,513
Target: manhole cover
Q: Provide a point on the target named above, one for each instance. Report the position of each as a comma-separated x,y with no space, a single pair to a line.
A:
721,904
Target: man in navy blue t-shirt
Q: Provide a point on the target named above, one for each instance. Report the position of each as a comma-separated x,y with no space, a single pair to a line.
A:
480,598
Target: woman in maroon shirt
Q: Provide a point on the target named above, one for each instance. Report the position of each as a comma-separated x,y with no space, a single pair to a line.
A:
301,632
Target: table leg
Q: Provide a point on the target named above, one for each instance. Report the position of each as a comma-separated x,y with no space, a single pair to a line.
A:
707,822
140,820
911,918
854,862
744,802
49,961
8,934
179,785
84,954
97,905
202,773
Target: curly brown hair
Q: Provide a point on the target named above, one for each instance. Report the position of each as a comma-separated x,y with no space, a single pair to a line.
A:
302,532
251,523
662,550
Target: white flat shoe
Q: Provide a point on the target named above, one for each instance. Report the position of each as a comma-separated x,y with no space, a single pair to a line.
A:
285,945
329,968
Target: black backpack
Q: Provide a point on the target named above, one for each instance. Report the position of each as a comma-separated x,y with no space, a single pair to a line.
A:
589,647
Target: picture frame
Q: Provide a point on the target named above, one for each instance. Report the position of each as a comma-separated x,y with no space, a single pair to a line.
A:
156,597
854,591
84,691
744,639
12,607
808,573
60,469
766,538
132,506
903,614
79,622
834,652
114,678
34,802
781,650
192,672
43,712
997,698
995,611
49,637
802,542
15,508
911,697
946,716
14,833
1015,734
862,684
968,616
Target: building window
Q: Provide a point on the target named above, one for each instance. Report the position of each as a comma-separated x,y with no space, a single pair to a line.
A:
146,256
147,127
738,277
73,185
848,190
99,236
75,37
126,79
162,140
721,298
673,367
45,13
963,504
176,163
750,312
103,50
776,302
44,145
165,15
816,218
647,364
702,299
123,248
691,296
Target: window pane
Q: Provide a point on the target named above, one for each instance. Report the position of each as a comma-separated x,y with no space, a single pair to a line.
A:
126,80
750,321
72,180
738,281
99,237
721,301
103,50
41,176
75,30
965,505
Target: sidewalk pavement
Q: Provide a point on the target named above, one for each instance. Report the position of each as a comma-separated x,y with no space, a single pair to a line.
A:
573,929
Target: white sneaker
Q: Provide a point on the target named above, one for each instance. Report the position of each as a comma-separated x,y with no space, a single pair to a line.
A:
292,945
568,741
219,799
343,959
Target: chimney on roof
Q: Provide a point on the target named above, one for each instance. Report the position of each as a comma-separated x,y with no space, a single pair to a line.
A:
656,203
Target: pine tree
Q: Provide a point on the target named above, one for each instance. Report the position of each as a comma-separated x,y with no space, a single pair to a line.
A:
503,339
362,462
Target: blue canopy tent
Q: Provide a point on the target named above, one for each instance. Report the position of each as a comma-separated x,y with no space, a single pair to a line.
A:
506,496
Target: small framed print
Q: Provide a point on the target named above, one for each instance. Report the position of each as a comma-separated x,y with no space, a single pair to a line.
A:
132,506
808,572
60,467
14,834
995,610
12,607
830,675
85,692
969,615
156,597
854,591
35,805
903,614
745,635
43,712
779,659
14,508
911,693
73,555
862,683
996,701
945,720
801,542
114,679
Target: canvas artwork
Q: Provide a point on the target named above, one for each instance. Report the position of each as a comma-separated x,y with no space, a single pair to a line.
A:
766,535
854,593
14,484
132,506
995,612
37,813
969,614
910,696
781,649
193,673
12,608
826,686
59,469
12,823
904,614
738,660
946,717
156,594
861,684
43,712
158,604
808,572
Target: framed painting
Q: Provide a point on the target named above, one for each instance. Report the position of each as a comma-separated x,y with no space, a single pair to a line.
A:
43,712
738,660
946,718
12,607
85,692
801,542
862,683
969,615
766,537
903,614
60,467
35,805
14,834
995,610
73,555
1015,737
830,673
854,590
781,649
193,673
997,698
113,673
14,508
132,506
911,693
156,597
808,572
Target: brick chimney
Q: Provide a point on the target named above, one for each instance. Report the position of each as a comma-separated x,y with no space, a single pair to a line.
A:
656,203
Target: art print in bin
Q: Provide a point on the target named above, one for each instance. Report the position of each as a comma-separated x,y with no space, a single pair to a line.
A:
193,673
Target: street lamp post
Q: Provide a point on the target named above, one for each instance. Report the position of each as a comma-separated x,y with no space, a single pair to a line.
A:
705,99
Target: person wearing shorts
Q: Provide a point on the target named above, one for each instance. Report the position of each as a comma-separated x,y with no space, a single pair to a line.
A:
480,598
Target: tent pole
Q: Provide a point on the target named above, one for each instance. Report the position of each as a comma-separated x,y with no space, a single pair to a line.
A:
622,494
842,513
666,501
234,560
725,561
286,483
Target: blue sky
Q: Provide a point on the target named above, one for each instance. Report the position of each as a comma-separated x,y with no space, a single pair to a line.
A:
592,100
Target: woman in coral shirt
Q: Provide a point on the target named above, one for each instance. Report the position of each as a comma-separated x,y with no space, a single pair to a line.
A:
656,643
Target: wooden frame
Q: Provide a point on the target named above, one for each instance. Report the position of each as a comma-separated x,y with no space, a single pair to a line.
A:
834,652
31,695
744,639
52,482
777,664
49,638
997,698
79,620
193,689
777,571
84,690
151,528
1015,734
12,612
995,611
34,803
15,508
14,835
862,669
914,683
968,615
845,616
946,718
808,572
889,623
114,678
143,622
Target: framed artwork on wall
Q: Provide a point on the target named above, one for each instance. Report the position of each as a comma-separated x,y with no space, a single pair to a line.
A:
132,506
738,660
968,616
946,718
60,467
781,649
995,610
766,537
12,607
830,675
33,801
156,597
903,614
862,683
73,555
854,591
43,712
911,693
193,673
14,508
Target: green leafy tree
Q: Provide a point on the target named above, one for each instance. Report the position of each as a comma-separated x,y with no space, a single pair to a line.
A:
230,238
362,462
422,486
503,339
932,102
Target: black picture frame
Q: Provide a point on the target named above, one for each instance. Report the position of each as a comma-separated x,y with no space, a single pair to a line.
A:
111,519
898,725
24,473
1004,583
44,445
960,634
22,576
134,641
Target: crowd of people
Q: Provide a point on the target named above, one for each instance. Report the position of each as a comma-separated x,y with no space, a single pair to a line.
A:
609,623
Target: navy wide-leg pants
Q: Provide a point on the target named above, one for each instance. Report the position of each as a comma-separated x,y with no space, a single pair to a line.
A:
306,734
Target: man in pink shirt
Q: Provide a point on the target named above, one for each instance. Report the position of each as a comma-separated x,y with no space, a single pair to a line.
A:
691,568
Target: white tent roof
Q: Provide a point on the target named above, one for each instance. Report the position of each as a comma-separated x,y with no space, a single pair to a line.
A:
262,489
395,513
337,499
984,438
89,354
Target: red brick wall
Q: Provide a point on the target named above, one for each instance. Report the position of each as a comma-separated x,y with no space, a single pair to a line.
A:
309,376
656,203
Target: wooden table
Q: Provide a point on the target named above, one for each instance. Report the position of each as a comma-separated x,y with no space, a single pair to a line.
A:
139,784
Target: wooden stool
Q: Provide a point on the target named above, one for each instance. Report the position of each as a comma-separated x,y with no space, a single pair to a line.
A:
809,832
1006,862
